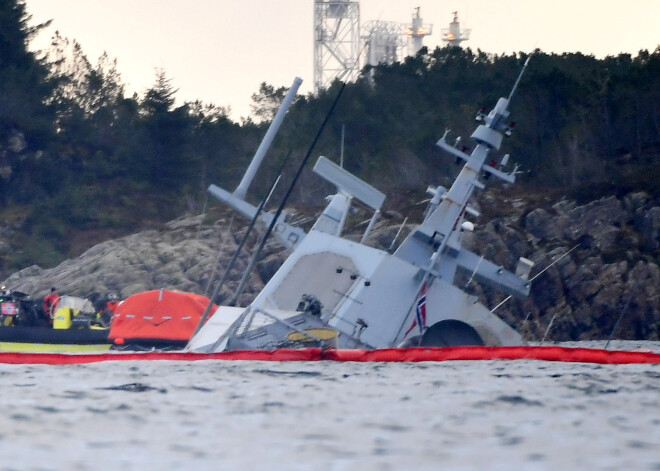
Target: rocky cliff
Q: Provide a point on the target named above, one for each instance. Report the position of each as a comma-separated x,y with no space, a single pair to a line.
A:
611,271
183,255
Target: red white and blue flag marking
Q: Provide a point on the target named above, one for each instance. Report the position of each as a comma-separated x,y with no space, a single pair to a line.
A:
420,311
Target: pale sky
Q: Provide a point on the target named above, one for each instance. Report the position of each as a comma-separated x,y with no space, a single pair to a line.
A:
219,51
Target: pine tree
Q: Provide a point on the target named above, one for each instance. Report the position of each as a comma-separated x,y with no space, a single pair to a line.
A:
167,160
26,113
24,84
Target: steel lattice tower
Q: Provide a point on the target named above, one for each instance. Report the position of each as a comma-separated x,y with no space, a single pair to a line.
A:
336,41
384,42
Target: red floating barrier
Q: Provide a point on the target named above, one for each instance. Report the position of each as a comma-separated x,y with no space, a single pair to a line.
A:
551,353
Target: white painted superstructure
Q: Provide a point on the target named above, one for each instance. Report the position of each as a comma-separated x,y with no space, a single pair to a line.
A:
332,290
455,35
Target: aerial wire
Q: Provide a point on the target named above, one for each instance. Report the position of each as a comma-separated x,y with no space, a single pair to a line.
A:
292,185
238,250
616,324
538,274
227,234
280,208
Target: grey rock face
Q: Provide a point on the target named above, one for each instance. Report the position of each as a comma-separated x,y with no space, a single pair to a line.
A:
612,272
185,255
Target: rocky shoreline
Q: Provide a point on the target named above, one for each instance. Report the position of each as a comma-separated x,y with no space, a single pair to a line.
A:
611,272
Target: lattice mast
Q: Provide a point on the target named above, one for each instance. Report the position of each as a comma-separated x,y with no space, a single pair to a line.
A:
336,41
383,41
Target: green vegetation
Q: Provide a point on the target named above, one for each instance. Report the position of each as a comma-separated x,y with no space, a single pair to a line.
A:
78,157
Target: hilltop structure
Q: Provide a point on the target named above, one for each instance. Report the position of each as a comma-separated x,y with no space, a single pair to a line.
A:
454,35
336,41
340,50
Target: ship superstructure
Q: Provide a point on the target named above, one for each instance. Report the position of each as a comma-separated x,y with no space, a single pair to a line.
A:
340,292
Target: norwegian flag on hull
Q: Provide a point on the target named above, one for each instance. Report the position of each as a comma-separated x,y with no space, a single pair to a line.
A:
420,318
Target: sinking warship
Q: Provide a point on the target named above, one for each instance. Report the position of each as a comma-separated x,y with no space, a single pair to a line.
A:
335,292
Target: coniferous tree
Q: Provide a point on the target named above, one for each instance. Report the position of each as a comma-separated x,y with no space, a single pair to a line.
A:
26,113
24,87
267,101
167,159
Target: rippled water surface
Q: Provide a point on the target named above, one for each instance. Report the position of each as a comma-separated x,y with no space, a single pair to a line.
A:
210,415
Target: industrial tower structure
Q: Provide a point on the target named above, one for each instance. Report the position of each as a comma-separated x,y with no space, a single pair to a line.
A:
384,42
454,35
336,41
416,33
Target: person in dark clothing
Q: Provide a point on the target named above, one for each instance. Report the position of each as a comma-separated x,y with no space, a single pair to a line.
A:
104,315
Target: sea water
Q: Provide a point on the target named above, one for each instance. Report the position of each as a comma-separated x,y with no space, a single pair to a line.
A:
245,415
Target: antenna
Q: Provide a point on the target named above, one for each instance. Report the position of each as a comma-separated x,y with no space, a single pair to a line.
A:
341,153
515,85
